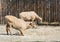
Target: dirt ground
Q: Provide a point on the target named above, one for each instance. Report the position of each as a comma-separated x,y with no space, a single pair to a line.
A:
41,34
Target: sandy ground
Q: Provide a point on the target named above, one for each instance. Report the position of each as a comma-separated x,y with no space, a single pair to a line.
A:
42,33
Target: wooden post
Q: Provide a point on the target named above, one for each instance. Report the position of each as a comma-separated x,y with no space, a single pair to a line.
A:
49,11
42,9
56,10
0,12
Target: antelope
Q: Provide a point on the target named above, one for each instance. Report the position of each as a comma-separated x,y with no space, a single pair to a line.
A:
30,15
18,24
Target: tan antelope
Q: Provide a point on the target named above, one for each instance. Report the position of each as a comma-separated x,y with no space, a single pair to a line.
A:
18,24
30,15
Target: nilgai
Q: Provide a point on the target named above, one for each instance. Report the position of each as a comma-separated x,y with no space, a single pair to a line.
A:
18,24
30,15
